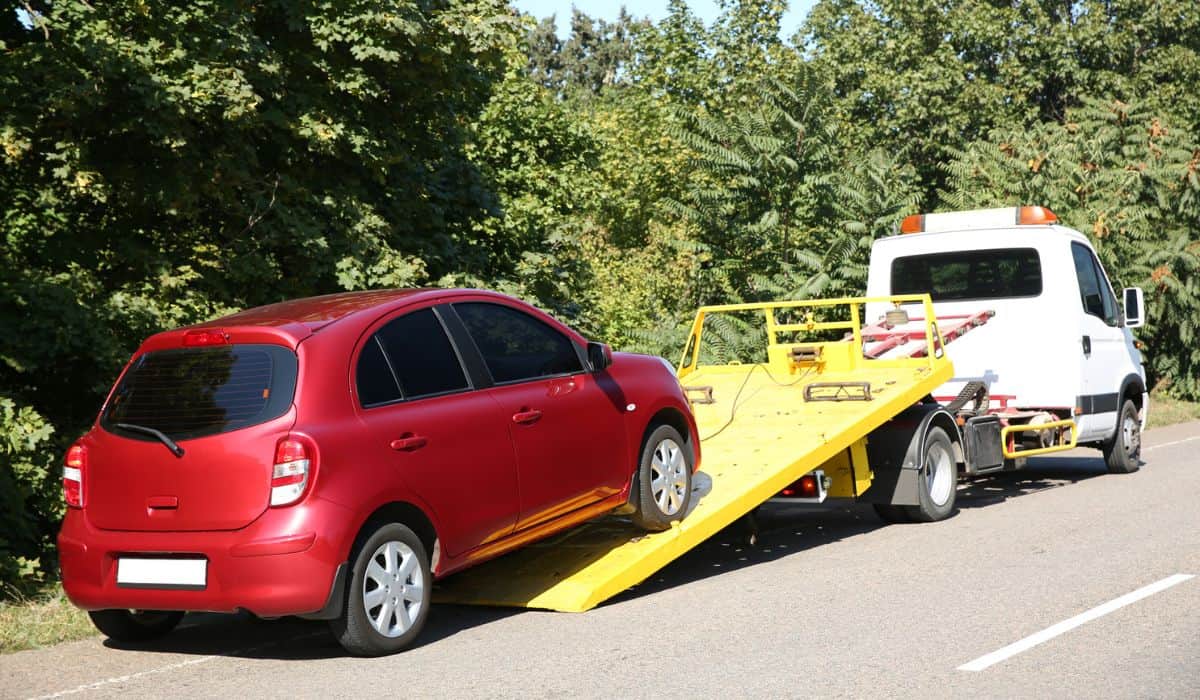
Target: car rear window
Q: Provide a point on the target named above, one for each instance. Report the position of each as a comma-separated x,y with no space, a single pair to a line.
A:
970,274
193,392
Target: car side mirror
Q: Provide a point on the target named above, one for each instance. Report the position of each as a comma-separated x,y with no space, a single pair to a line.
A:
1135,307
599,356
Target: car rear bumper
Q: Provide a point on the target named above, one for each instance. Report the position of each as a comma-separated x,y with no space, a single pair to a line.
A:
284,563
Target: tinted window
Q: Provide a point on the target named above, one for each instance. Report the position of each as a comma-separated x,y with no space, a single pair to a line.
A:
970,274
192,392
515,345
374,378
1094,293
421,355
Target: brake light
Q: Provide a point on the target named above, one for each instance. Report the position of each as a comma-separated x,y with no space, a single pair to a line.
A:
913,224
195,339
290,473
1035,215
804,487
74,467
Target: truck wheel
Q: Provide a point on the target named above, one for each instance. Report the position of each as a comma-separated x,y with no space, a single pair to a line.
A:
664,482
1122,453
387,601
939,478
133,626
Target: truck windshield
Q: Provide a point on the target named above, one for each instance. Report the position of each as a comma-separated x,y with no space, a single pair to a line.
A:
193,392
970,274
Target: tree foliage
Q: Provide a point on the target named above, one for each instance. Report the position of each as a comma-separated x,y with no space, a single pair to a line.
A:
164,163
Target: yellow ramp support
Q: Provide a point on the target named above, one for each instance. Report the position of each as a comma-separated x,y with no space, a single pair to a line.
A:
758,436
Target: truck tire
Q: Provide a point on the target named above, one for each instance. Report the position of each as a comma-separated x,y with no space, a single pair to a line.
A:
664,480
939,479
1122,453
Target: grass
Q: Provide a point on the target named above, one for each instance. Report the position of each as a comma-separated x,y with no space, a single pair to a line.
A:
40,621
1165,410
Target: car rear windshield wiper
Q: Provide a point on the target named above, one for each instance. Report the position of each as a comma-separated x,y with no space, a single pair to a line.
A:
174,448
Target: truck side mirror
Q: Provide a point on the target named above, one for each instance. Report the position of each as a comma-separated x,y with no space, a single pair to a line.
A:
599,356
1135,307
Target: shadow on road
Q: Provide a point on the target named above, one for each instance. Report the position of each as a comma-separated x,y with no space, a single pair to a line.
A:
1041,474
290,638
782,530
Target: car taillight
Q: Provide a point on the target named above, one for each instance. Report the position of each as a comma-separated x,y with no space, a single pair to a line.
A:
290,475
74,467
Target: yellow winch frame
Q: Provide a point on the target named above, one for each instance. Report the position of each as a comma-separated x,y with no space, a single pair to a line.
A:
759,434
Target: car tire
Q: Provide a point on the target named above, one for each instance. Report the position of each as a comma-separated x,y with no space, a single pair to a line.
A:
1122,454
135,626
388,599
664,480
938,479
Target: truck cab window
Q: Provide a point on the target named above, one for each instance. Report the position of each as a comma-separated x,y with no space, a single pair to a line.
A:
1094,292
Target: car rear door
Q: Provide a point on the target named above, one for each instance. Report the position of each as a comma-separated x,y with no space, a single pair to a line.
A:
568,432
438,436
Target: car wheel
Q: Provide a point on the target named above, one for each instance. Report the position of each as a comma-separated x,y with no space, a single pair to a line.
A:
387,601
664,480
132,626
938,479
1122,454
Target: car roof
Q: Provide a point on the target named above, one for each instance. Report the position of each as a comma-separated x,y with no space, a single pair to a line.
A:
316,312
292,321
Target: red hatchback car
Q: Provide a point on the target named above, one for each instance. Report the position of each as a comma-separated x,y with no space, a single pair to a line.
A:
330,457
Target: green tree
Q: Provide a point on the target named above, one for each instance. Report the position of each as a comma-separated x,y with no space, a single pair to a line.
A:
1127,177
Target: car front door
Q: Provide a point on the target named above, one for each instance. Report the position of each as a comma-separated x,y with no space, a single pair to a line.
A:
448,442
1103,348
568,433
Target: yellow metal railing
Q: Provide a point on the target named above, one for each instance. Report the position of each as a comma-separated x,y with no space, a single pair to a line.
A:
1065,434
933,338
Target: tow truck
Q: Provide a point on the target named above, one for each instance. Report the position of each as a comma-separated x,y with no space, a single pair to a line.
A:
859,399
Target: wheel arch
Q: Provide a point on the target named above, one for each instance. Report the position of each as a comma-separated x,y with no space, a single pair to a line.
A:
406,514
672,416
1132,388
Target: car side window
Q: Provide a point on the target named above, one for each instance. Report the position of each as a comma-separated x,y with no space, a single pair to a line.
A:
1094,293
410,357
373,377
516,346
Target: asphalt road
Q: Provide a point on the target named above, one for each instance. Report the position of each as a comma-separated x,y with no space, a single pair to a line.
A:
827,604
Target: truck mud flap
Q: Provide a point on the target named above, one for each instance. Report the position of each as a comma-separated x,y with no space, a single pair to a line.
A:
894,452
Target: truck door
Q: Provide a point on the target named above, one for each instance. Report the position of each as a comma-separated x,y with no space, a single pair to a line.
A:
1102,348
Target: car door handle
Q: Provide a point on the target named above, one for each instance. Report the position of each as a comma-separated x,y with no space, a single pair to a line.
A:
409,443
527,417
1087,346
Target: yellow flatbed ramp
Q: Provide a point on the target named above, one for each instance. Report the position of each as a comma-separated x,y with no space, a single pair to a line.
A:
758,436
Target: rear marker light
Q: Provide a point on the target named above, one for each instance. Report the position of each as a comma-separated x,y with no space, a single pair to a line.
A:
74,465
290,475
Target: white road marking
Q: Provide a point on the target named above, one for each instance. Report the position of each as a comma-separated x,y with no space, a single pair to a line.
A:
163,669
1173,442
1067,625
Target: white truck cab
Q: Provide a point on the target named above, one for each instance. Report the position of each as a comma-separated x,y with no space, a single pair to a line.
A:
1059,343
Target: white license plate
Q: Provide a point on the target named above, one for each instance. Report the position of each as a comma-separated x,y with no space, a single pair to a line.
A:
138,572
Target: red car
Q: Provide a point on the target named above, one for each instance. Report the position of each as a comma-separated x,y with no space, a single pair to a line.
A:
330,457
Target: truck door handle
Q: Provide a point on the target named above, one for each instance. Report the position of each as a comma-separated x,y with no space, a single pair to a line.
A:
408,443
527,416
1087,346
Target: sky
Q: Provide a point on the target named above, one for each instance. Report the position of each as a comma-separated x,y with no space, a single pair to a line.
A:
706,10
